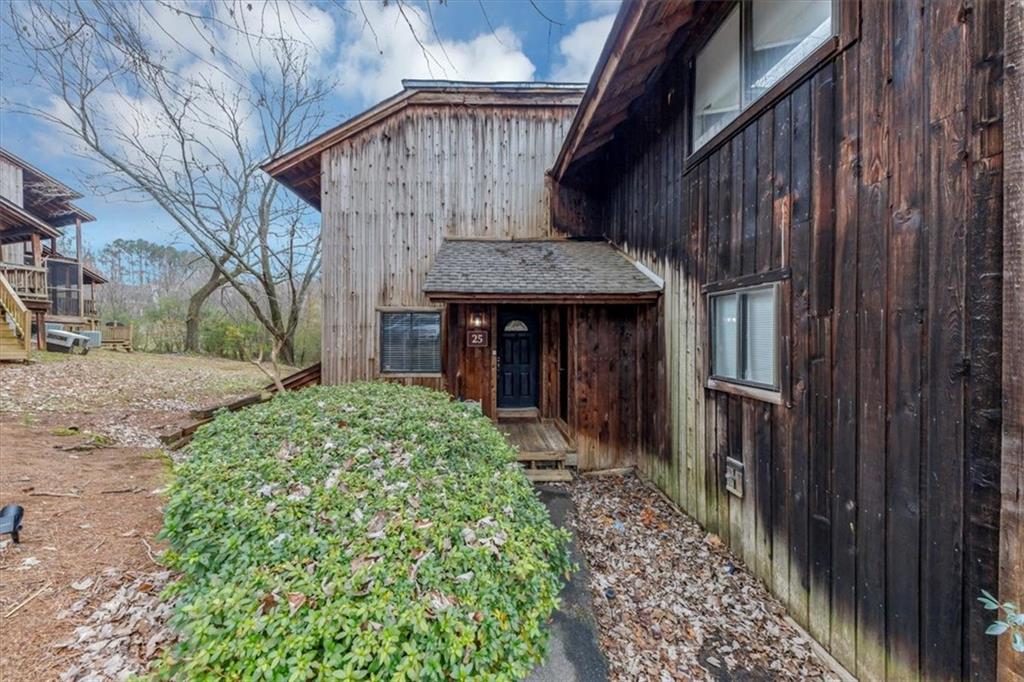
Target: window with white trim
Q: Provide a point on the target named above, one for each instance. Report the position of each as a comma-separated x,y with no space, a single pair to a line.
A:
410,342
753,49
744,336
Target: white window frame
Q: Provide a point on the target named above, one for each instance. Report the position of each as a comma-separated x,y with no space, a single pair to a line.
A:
745,8
381,312
771,392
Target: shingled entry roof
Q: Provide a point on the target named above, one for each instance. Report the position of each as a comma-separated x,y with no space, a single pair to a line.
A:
542,268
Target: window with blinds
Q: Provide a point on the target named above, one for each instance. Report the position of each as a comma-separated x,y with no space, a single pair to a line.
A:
410,342
755,46
744,336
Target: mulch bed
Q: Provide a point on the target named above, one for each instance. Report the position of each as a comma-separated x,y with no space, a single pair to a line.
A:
672,602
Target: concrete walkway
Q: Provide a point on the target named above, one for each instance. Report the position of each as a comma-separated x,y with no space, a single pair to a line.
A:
573,652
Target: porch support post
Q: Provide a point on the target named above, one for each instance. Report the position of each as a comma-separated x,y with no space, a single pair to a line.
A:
37,250
81,274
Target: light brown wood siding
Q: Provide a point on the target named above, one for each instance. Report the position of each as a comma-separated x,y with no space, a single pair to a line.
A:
392,193
11,184
12,189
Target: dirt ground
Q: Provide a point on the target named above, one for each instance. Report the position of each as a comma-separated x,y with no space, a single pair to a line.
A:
79,451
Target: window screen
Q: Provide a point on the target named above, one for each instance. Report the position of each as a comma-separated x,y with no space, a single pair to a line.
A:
744,345
411,342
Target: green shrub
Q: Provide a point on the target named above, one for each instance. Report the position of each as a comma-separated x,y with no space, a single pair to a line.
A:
369,531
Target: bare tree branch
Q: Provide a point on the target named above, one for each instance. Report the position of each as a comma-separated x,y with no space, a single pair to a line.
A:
190,139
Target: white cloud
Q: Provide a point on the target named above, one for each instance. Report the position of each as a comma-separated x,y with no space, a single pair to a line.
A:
581,48
385,47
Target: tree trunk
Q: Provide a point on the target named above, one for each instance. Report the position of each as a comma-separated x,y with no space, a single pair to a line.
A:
286,356
195,307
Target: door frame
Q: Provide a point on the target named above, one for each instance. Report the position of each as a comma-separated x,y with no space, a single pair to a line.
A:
531,316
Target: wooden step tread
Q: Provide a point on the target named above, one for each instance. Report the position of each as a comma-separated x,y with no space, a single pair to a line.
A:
544,456
549,475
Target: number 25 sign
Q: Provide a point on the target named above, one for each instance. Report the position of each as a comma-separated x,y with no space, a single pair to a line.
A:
476,338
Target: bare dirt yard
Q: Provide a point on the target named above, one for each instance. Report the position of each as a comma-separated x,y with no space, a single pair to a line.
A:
80,451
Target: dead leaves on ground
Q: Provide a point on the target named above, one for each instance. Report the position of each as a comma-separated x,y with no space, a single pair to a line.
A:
671,601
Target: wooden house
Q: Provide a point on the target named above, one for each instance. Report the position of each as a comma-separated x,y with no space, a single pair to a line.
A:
765,268
442,268
40,285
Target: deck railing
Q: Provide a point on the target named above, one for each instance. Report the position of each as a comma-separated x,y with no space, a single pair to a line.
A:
117,334
28,280
16,310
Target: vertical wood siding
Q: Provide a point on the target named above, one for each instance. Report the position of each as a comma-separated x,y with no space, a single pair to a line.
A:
11,188
871,500
392,193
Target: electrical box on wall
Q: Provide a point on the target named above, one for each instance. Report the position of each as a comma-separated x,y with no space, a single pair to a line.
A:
734,476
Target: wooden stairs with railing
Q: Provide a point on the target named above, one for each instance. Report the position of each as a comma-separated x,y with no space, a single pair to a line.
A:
15,325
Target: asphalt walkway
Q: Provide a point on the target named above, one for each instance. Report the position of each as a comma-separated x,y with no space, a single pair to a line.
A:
573,651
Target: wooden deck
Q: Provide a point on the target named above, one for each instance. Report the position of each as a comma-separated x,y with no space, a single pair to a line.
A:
544,451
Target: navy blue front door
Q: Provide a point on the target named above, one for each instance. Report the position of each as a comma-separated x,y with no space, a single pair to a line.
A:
517,359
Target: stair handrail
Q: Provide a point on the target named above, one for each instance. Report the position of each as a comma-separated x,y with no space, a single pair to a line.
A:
15,308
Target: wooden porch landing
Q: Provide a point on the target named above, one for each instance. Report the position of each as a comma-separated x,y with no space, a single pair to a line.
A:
543,451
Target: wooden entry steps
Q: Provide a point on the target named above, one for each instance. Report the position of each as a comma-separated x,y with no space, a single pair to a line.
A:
544,452
545,467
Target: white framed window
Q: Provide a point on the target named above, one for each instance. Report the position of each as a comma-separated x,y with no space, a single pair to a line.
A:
745,336
410,342
757,44
716,86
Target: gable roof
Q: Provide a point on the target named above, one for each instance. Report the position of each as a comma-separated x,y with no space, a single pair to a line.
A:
299,169
45,196
640,42
17,224
540,269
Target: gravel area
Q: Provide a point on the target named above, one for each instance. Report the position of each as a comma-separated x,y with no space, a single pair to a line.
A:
671,601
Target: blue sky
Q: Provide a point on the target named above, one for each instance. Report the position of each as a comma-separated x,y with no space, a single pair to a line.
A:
482,40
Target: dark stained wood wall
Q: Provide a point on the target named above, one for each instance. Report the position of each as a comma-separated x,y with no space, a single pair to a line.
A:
872,190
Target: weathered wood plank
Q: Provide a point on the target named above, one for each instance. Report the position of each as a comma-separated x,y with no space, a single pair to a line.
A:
800,260
765,190
1011,531
748,256
904,374
873,196
942,606
844,366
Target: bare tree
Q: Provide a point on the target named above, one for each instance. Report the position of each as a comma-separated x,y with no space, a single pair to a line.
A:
190,137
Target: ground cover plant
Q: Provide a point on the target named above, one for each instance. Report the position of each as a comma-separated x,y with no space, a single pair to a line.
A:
370,531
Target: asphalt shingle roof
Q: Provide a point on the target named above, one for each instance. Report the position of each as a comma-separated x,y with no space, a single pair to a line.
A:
564,267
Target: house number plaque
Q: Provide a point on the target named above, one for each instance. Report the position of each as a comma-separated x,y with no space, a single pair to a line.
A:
476,338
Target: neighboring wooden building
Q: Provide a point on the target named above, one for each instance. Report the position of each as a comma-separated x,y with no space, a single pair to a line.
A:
767,272
445,184
38,282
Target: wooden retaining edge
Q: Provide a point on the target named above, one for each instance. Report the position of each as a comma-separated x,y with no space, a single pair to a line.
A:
598,473
821,652
309,376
